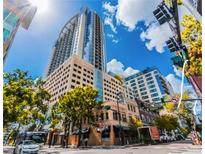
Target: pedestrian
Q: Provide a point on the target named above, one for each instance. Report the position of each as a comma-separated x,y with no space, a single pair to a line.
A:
49,143
86,141
65,142
50,139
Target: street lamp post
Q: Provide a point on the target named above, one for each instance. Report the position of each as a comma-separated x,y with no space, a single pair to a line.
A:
119,118
102,122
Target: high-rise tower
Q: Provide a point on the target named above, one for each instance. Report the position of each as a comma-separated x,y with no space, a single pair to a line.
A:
16,13
83,36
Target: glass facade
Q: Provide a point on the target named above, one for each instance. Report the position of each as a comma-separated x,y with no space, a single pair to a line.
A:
11,21
82,35
160,86
15,13
98,83
88,55
147,82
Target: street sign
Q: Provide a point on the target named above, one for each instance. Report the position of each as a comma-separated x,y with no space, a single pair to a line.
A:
177,61
175,100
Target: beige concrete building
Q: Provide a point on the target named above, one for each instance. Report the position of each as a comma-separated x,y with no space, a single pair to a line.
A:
106,131
77,72
73,64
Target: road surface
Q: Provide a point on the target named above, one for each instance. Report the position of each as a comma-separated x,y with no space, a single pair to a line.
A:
183,147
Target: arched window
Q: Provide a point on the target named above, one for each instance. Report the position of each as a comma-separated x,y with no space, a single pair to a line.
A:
107,115
143,117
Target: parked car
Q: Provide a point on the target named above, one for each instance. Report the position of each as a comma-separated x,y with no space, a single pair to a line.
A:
27,146
179,137
164,137
171,137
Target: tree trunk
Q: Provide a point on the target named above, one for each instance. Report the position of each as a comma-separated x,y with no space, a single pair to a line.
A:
7,140
64,136
79,135
50,138
67,135
17,133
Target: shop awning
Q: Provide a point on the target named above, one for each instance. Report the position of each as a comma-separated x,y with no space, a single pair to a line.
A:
83,131
122,127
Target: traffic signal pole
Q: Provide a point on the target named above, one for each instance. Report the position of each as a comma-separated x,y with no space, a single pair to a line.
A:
185,100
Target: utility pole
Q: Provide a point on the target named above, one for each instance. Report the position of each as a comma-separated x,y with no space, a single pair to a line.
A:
119,118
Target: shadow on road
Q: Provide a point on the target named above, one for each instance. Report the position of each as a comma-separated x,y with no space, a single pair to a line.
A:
45,152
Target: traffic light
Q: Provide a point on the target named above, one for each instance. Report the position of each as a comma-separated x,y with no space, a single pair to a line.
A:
185,52
173,44
177,61
162,14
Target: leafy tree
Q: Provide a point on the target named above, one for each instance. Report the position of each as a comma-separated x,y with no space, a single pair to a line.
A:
39,107
135,122
23,101
182,113
167,122
17,92
192,37
118,77
169,2
75,105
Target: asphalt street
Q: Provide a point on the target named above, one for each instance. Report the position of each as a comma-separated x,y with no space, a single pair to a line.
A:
171,148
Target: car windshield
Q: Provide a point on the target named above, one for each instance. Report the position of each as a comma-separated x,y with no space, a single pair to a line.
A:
29,142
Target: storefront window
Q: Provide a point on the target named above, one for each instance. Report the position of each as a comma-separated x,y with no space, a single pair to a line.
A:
102,116
107,116
115,116
97,117
124,119
106,133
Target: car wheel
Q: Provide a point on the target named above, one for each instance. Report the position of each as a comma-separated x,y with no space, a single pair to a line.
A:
14,152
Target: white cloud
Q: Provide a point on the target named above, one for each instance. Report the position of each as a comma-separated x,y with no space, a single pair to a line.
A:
109,15
176,84
109,8
130,12
110,35
155,36
109,21
115,66
129,71
118,68
177,71
115,41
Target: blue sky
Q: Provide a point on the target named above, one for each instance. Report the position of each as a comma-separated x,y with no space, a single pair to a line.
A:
134,40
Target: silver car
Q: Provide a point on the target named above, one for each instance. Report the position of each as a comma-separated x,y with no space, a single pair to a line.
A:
27,146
